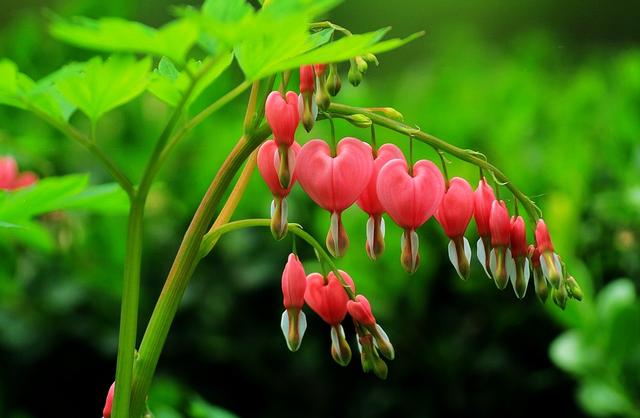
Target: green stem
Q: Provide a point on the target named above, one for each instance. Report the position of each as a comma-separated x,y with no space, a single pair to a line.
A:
90,146
129,310
183,266
470,156
212,237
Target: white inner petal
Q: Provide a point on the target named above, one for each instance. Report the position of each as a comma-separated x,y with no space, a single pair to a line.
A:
334,232
273,207
370,232
284,326
544,266
482,257
302,325
453,257
382,228
467,249
284,209
493,263
511,270
414,248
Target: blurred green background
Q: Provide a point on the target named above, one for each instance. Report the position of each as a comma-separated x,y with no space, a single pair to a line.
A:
549,91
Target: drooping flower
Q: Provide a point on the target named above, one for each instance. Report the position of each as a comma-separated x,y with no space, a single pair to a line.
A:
500,227
307,107
283,118
294,284
268,163
328,298
10,176
106,411
410,199
360,311
483,198
335,182
369,202
454,214
549,260
518,263
539,281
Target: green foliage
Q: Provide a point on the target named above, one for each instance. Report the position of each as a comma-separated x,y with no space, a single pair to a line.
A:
603,352
173,40
100,86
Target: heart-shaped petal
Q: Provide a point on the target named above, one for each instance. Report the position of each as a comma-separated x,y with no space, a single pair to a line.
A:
282,116
410,200
268,163
456,209
368,200
328,300
334,183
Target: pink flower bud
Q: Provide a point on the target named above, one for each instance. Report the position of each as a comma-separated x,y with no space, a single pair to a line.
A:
320,69
483,198
335,182
294,283
106,412
518,237
543,239
282,116
499,224
327,297
307,82
360,310
10,178
456,208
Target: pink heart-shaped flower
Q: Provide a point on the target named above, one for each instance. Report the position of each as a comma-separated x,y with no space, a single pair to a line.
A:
334,183
410,200
268,163
368,200
282,116
328,300
456,209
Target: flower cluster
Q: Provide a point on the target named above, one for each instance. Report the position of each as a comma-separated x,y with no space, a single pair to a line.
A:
11,178
380,180
332,296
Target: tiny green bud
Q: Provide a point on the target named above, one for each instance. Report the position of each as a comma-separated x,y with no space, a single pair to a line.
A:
333,80
361,64
369,57
560,296
354,75
359,120
574,288
391,113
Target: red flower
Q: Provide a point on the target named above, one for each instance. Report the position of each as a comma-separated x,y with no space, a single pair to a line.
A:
360,310
294,283
543,239
328,298
410,200
307,82
500,226
106,411
483,199
518,237
335,182
282,116
10,178
549,260
518,263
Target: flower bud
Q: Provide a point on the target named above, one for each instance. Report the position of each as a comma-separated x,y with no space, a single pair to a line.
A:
333,80
500,227
369,357
106,411
306,79
370,58
375,236
340,350
518,264
279,213
540,283
282,116
361,64
320,69
360,310
574,288
549,260
354,75
391,113
560,295
293,283
483,198
359,120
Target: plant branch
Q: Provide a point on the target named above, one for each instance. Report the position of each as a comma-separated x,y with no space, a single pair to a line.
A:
470,156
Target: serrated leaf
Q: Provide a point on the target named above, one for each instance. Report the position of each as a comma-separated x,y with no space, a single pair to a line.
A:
102,86
169,84
110,34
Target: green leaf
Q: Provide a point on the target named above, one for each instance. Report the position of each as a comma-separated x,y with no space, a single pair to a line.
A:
169,84
18,90
173,40
602,399
572,353
102,86
341,50
199,408
103,198
615,296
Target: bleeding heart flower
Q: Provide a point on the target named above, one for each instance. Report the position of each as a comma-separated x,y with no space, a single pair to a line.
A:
307,107
106,411
483,198
539,281
268,163
335,182
454,214
360,311
549,260
410,199
500,226
328,298
294,284
369,202
518,264
11,178
283,118
307,82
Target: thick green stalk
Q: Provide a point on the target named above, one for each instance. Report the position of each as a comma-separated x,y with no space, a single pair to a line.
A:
470,156
129,310
182,269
